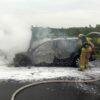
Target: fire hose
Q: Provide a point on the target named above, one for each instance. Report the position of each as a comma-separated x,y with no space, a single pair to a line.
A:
50,81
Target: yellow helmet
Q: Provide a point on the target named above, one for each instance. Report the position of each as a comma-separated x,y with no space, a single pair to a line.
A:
80,35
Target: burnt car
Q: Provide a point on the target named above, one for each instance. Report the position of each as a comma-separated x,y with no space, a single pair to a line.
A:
53,52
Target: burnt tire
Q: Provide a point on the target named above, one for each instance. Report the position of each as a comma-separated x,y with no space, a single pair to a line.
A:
22,60
76,62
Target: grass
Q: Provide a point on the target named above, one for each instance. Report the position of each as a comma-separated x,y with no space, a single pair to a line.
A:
98,56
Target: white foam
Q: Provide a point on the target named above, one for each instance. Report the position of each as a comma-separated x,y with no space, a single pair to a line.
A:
39,73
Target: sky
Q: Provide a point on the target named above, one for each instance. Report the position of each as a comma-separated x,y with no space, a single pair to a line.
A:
52,13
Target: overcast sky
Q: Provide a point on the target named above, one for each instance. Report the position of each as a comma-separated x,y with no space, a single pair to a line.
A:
53,13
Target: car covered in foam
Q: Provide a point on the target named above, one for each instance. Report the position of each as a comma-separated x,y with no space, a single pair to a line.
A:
52,52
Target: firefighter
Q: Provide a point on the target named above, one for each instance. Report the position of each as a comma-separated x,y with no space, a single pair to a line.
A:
87,46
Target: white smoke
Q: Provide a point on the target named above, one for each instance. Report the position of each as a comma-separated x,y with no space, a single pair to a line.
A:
43,33
15,35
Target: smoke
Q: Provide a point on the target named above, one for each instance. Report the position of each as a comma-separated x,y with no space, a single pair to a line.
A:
15,35
42,34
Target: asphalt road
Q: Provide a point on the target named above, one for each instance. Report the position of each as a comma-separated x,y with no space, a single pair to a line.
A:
61,91
8,87
51,91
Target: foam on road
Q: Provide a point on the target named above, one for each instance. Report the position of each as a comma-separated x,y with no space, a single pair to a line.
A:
40,73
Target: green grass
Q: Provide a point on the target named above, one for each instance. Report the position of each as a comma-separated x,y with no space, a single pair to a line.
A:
98,56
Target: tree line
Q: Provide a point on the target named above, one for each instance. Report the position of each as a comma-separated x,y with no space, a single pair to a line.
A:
58,32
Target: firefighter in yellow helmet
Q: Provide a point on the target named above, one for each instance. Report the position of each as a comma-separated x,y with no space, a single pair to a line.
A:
87,46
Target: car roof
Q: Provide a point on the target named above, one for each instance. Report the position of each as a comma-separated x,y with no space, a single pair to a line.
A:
58,39
65,38
53,39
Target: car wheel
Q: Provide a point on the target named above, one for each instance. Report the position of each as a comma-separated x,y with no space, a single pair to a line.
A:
16,63
22,61
25,62
76,62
